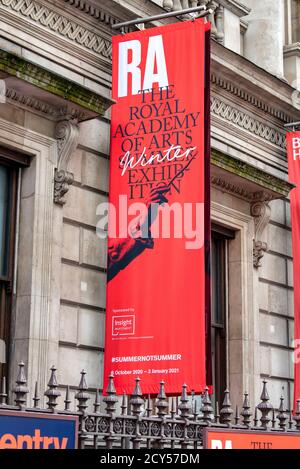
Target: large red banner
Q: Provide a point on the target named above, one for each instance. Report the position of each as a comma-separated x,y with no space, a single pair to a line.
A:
155,321
293,151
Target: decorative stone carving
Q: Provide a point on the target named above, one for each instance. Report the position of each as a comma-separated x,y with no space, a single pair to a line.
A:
241,119
273,187
91,10
68,90
261,212
219,20
41,107
60,24
67,133
234,89
2,91
62,181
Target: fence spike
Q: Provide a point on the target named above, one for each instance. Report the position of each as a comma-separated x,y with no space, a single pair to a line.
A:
282,416
162,403
149,406
21,390
111,385
255,421
124,404
226,411
246,413
36,398
206,409
290,419
111,398
237,416
97,402
82,396
184,406
217,416
195,410
264,407
3,393
136,400
273,421
52,392
173,408
297,415
67,400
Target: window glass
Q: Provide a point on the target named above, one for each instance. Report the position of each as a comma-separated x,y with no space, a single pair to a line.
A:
218,312
4,209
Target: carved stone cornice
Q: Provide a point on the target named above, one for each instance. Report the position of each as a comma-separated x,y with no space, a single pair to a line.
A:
99,14
239,191
236,7
267,186
253,185
232,88
247,122
51,82
261,212
67,133
41,107
54,20
86,7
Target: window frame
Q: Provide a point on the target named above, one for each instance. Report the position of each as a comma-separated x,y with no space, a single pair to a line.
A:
219,329
13,160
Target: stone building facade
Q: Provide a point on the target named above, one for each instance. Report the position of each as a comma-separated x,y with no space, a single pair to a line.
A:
55,71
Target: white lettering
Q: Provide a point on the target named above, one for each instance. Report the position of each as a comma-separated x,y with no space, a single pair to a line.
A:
126,68
130,56
156,55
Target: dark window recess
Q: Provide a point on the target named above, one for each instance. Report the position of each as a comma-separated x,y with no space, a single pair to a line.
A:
220,238
10,162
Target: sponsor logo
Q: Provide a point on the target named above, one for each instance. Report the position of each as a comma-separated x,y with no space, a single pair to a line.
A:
123,325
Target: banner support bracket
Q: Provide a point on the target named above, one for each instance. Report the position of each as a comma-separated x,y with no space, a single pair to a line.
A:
170,14
293,125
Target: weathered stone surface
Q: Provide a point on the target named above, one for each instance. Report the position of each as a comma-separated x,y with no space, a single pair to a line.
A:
91,327
84,286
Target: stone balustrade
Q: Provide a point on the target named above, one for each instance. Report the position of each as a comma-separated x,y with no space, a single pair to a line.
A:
216,18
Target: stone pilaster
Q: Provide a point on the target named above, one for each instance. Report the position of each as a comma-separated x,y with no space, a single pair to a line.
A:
263,43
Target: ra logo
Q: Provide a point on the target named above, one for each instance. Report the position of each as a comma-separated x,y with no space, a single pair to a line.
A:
296,147
132,54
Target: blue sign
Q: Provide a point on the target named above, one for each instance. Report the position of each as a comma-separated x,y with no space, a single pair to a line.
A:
19,430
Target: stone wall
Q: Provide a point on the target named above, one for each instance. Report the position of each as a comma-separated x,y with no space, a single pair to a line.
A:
276,304
82,310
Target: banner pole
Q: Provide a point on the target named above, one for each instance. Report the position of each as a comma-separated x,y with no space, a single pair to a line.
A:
293,125
165,15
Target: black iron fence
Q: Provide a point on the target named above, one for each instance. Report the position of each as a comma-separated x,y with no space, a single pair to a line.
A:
143,422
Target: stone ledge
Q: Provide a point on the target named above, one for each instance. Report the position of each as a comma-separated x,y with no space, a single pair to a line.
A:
236,7
50,82
251,179
292,50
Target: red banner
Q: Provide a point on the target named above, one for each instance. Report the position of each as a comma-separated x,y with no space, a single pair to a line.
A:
293,151
155,320
241,439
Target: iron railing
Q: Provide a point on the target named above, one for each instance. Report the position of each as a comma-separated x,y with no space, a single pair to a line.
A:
143,422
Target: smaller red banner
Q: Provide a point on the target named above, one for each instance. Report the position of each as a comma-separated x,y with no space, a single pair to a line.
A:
293,153
239,439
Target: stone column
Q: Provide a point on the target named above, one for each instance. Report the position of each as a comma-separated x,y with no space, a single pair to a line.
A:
264,38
